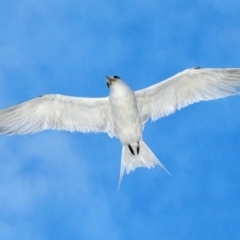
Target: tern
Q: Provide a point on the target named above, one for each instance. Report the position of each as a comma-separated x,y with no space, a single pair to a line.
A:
124,112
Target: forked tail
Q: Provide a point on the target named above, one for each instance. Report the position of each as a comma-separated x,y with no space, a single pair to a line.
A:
145,158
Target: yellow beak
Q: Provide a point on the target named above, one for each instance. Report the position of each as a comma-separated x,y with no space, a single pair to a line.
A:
110,81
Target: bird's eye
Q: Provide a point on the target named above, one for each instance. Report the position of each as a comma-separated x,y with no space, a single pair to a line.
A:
116,77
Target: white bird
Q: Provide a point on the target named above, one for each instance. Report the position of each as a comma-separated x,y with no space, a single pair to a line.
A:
124,113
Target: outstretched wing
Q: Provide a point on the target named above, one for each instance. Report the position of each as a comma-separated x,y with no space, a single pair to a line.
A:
187,87
60,113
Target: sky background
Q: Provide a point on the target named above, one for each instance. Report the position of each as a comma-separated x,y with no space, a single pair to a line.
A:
60,185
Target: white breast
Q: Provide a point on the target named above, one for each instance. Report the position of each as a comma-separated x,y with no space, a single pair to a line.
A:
125,113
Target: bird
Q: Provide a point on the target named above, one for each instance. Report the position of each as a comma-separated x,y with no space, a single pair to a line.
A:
124,112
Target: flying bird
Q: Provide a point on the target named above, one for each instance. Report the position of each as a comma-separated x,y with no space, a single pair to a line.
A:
124,112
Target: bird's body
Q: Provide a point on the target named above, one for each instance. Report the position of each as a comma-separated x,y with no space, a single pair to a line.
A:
124,113
128,128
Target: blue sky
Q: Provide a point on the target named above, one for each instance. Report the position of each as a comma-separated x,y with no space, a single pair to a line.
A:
60,185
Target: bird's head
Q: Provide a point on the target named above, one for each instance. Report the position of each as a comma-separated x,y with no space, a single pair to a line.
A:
111,80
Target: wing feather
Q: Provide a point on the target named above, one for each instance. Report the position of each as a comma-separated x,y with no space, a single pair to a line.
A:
187,87
58,112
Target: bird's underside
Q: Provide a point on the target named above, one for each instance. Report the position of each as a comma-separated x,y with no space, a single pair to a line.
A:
124,113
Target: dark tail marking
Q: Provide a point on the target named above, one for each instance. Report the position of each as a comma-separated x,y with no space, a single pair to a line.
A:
138,148
131,150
